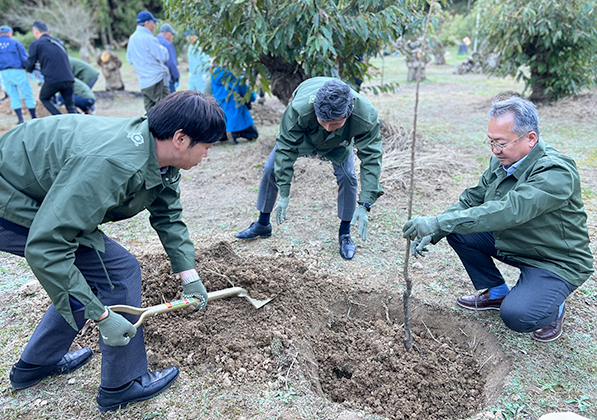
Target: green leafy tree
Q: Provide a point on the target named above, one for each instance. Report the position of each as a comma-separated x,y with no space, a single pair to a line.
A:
279,43
118,18
550,44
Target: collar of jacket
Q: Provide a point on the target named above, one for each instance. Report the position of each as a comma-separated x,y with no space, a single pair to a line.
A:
531,158
154,175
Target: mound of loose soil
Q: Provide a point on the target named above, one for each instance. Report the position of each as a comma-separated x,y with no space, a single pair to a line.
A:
345,340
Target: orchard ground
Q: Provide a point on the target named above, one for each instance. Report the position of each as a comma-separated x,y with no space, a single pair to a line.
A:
330,345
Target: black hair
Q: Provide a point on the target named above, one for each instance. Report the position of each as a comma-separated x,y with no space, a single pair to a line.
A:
334,100
196,114
40,26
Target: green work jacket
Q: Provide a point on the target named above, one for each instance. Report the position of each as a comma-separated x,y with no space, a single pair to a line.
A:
301,134
536,214
63,176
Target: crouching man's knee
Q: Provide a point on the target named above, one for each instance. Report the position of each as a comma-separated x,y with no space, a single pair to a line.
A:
522,319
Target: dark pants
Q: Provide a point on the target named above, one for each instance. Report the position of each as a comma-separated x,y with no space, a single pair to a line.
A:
534,301
66,89
153,94
345,177
84,104
53,336
92,81
249,133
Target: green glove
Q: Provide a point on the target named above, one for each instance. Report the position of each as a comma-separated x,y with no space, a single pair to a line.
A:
420,227
417,246
193,288
115,329
281,209
360,216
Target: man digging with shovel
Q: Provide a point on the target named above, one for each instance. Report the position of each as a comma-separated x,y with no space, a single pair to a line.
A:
60,178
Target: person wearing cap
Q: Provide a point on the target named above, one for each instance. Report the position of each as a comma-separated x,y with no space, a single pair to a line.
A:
51,55
13,57
83,71
328,118
166,36
60,179
145,53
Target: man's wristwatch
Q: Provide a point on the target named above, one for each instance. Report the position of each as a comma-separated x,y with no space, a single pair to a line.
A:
191,279
366,205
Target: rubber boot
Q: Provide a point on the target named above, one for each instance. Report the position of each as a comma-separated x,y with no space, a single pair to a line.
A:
20,116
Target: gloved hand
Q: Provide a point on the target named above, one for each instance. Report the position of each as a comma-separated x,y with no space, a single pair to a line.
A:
115,329
281,209
176,85
360,216
193,288
420,227
417,246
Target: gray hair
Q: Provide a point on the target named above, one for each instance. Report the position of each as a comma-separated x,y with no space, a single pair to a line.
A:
334,100
525,114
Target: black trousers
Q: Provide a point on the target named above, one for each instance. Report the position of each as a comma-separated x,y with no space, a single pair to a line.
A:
532,303
66,89
53,336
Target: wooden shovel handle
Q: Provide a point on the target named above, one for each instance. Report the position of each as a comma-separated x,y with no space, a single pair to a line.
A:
171,306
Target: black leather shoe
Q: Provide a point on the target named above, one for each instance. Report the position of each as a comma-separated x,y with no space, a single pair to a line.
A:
143,388
347,247
25,377
254,231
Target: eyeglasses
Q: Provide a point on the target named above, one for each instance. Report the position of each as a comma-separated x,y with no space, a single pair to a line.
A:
499,146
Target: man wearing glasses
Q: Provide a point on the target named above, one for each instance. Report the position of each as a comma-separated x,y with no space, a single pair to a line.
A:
527,212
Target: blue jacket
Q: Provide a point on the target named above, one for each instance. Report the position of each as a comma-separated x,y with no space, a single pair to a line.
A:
12,53
52,57
172,62
238,116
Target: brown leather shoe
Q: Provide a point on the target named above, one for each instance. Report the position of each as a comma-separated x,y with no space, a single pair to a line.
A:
480,302
552,332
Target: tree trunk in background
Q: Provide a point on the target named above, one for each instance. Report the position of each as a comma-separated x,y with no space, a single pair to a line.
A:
285,77
103,37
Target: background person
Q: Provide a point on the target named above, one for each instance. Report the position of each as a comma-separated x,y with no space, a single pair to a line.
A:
149,58
166,38
83,71
328,118
527,212
84,97
239,121
13,58
60,178
54,66
199,66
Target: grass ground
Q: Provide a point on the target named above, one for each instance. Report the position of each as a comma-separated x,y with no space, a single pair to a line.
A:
559,376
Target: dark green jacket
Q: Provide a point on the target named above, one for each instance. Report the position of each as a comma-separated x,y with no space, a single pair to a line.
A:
536,214
63,176
301,135
82,70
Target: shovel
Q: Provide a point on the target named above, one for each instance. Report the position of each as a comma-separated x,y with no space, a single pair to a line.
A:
171,306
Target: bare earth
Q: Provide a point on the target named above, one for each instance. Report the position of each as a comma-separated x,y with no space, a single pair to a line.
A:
330,343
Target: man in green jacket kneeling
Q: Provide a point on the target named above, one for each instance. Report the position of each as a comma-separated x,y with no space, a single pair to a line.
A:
527,212
60,178
328,118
